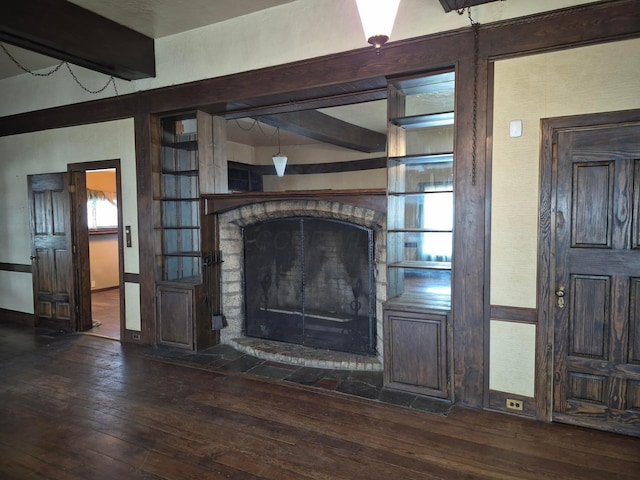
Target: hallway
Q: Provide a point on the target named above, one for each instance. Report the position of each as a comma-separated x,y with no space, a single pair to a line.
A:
105,311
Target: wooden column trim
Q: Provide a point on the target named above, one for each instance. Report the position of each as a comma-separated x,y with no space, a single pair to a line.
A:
147,131
469,269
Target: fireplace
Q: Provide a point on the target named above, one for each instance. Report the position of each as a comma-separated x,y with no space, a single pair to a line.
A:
309,281
261,290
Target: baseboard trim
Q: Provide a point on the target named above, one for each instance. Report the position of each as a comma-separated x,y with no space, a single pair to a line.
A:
498,402
132,336
22,318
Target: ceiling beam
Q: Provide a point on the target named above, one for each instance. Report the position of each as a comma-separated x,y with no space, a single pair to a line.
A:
327,129
65,31
449,5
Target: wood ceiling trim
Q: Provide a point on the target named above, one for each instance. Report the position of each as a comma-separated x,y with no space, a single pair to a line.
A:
65,31
327,129
289,83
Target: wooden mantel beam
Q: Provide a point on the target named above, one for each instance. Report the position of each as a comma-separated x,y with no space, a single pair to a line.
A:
65,31
322,127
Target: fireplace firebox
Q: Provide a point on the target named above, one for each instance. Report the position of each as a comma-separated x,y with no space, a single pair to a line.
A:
309,281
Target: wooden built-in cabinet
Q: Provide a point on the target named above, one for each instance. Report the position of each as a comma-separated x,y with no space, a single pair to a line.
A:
184,237
419,232
416,353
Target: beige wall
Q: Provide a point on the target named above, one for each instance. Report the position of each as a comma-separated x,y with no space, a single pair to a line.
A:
103,249
47,152
583,80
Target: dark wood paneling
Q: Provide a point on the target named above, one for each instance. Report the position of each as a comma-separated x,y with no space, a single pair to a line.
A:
15,267
175,317
374,199
17,317
65,31
315,168
417,352
147,131
498,402
468,273
514,314
131,277
593,265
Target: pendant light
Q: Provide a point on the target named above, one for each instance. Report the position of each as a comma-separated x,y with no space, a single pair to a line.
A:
279,160
377,17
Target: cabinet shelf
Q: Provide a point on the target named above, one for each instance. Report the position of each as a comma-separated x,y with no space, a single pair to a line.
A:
188,145
185,227
418,230
183,254
181,173
421,265
424,121
405,194
180,199
424,159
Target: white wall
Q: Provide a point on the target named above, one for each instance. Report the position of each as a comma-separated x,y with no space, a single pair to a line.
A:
47,152
579,81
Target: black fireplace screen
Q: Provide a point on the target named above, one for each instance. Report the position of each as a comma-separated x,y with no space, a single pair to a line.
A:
309,281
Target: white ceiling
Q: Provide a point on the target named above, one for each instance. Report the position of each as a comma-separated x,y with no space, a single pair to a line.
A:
160,18
154,18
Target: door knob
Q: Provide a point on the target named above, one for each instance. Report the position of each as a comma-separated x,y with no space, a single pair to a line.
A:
560,294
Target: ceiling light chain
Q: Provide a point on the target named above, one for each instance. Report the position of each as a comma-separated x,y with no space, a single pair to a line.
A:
476,54
111,80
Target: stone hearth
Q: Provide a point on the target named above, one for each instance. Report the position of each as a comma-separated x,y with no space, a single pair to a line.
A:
231,245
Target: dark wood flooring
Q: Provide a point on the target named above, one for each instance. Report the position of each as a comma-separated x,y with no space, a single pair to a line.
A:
105,313
84,407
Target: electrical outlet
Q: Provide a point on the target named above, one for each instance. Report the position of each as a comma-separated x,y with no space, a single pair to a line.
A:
135,336
514,404
93,283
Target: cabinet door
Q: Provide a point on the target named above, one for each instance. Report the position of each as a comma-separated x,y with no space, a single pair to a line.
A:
416,352
175,316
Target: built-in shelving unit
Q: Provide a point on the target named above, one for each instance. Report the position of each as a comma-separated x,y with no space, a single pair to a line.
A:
183,237
421,122
420,189
180,257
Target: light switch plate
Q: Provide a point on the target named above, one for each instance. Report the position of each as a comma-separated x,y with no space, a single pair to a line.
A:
515,128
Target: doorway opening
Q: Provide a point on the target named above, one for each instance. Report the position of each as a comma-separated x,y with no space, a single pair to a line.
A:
98,239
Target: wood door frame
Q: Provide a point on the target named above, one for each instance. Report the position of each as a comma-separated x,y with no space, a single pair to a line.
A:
550,127
80,234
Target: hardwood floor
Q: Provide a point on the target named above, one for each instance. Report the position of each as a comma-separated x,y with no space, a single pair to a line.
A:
105,313
83,407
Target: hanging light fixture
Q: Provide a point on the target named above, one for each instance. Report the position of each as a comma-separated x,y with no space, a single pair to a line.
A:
377,17
279,160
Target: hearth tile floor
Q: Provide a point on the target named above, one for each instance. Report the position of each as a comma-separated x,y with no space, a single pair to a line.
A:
364,384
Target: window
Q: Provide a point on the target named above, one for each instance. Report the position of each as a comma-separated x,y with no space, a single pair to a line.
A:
102,210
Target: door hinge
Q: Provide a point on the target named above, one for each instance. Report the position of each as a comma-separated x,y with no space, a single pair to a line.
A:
73,248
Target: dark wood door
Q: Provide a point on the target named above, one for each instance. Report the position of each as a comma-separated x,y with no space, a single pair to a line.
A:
51,251
597,279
